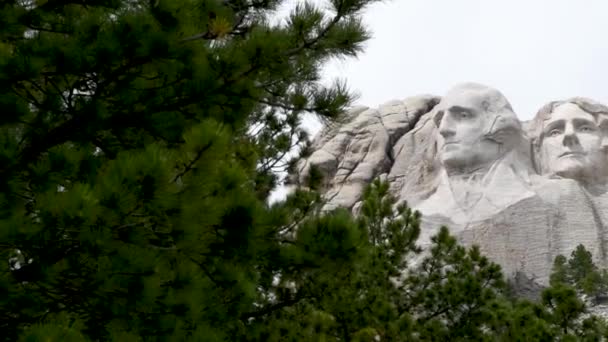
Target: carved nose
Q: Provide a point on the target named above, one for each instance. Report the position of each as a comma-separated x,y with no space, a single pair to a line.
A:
570,139
445,130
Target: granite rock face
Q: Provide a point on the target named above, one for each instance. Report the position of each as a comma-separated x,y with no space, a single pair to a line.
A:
523,192
353,154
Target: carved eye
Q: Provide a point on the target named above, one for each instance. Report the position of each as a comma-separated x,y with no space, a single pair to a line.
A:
463,115
586,129
554,132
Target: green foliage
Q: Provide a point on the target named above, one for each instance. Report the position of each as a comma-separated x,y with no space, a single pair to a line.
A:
59,328
138,144
560,272
564,306
580,272
344,282
583,272
572,279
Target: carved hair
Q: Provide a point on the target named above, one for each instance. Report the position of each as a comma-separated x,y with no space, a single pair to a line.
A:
588,105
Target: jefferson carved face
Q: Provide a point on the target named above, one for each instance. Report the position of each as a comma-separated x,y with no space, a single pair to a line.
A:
572,143
470,120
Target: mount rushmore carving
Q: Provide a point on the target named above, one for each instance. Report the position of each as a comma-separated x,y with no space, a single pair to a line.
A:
523,191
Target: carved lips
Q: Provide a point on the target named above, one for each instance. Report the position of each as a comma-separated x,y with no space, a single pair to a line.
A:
447,143
571,154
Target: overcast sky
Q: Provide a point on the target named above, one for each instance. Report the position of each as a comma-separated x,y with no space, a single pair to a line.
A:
534,51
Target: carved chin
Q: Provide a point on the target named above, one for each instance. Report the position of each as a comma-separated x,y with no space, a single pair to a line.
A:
466,159
570,168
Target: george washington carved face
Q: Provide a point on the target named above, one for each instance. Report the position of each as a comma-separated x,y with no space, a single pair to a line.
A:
476,127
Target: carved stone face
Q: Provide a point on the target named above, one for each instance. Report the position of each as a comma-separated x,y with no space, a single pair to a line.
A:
572,144
466,118
602,121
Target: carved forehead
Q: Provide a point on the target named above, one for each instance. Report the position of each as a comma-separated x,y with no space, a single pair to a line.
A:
597,111
594,108
476,96
492,107
567,112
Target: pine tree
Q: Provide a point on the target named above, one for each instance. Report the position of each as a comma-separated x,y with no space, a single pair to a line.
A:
346,275
139,141
584,273
560,271
563,309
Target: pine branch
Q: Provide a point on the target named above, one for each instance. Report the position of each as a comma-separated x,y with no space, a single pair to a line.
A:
274,307
190,165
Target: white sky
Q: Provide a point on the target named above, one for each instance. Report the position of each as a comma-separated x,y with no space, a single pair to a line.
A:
534,51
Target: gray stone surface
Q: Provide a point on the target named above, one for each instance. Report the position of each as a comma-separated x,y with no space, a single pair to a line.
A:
523,192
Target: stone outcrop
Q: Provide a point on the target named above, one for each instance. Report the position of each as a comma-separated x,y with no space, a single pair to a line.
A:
524,192
353,154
